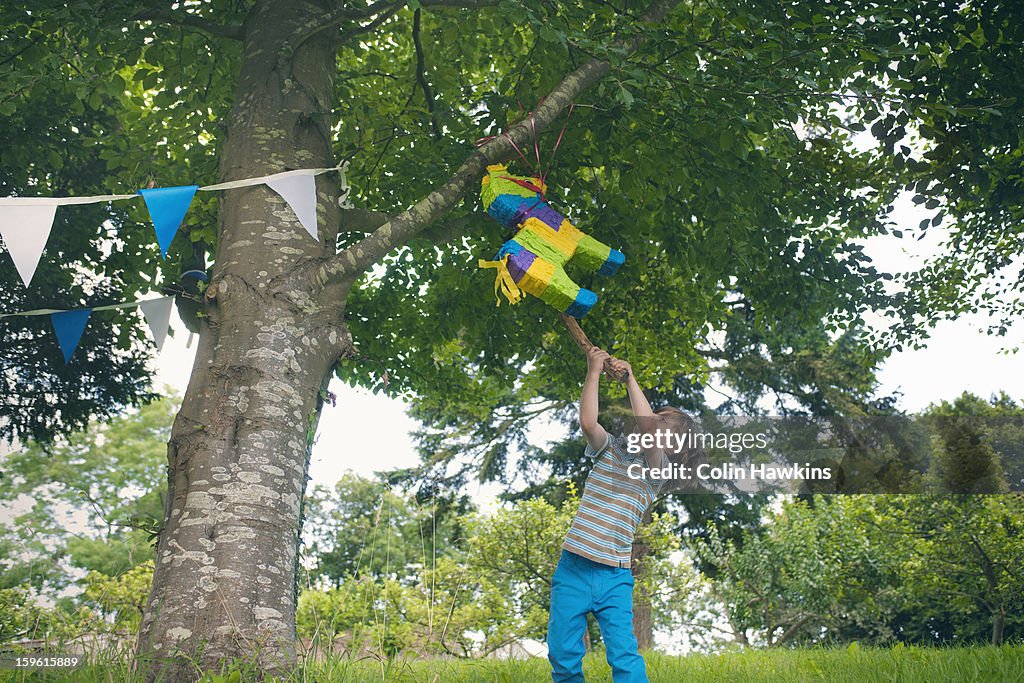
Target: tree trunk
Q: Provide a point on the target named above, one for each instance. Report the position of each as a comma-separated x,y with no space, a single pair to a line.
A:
643,619
238,454
998,620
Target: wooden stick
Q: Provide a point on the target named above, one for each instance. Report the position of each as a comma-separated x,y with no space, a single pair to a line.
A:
577,333
582,341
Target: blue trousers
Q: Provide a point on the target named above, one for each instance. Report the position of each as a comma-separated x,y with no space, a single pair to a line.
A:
580,586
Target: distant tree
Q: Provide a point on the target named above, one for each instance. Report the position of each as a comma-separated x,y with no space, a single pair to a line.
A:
436,609
496,587
513,553
28,557
962,577
122,597
964,461
96,498
22,617
812,576
362,527
921,569
980,444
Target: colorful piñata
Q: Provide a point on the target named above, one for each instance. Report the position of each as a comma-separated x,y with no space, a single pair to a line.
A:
545,241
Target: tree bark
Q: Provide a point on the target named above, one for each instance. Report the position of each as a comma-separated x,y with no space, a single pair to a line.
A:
643,618
238,453
998,621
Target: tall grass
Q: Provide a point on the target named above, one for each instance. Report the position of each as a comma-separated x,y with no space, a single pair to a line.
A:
853,664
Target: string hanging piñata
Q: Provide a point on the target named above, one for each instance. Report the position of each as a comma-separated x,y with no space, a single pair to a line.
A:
545,240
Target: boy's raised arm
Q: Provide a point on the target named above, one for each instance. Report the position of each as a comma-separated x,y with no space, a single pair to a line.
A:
595,434
637,401
646,418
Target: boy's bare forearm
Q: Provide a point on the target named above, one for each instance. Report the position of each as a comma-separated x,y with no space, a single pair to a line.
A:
637,401
589,399
593,431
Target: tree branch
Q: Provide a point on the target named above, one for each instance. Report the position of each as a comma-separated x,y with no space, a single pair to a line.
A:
421,73
345,13
459,4
18,53
371,10
363,220
165,15
378,11
352,261
443,232
792,630
365,28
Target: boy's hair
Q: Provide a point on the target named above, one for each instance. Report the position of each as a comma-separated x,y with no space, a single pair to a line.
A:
677,419
681,423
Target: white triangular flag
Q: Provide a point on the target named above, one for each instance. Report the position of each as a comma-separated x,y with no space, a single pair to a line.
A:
25,229
157,313
299,191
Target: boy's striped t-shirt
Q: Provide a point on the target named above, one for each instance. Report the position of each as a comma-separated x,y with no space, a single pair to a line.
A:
612,506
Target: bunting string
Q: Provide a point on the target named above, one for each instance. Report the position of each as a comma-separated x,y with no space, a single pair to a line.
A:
69,324
246,182
63,201
25,222
110,307
227,185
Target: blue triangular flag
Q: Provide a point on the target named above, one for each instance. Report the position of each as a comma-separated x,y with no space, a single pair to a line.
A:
69,326
167,207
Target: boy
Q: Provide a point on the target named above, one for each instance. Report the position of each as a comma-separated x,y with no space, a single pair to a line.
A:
593,574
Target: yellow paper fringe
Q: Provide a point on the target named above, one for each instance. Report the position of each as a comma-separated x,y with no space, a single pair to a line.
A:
503,282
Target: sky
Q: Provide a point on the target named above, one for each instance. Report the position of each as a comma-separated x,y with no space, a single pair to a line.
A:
369,432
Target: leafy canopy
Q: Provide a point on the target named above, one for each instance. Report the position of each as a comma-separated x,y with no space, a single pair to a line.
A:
720,158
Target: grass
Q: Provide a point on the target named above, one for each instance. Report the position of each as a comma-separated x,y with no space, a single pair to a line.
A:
854,664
